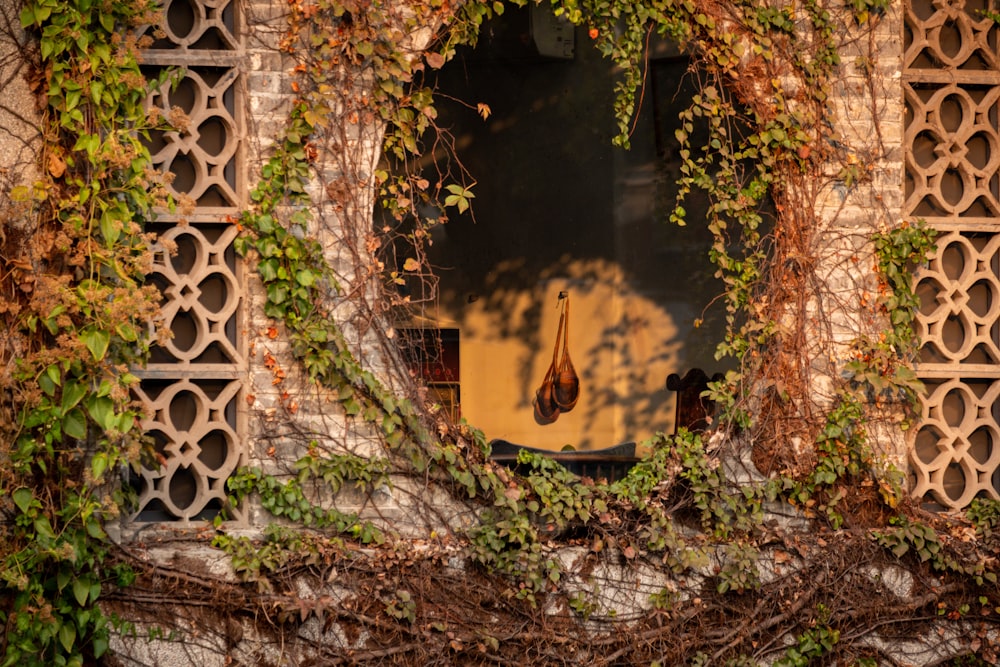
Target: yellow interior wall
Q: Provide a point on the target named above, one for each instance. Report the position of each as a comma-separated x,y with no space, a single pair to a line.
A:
623,395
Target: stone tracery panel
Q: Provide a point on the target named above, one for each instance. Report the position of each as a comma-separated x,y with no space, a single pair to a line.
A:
950,35
196,448
201,156
197,25
957,453
951,82
960,302
191,386
201,296
954,151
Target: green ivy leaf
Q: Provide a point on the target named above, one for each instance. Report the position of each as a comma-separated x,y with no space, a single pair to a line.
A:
74,424
46,385
102,411
98,465
305,277
90,142
268,247
67,635
100,645
111,228
73,392
364,48
43,528
94,530
277,294
22,498
264,223
127,332
97,341
81,590
125,422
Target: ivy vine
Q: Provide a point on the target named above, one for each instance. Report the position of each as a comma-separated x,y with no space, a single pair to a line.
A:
79,322
84,321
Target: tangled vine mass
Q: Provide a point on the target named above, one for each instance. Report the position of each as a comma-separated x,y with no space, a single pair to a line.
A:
785,536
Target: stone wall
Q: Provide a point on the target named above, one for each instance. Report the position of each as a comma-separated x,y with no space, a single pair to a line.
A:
287,413
20,138
856,198
284,412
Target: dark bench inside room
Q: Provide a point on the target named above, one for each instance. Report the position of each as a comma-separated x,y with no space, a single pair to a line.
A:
694,411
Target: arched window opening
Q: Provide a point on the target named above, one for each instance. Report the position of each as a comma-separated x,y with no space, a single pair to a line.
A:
559,210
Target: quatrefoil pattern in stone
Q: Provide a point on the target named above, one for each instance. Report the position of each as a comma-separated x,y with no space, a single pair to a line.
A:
201,296
195,448
197,25
191,388
951,92
949,34
200,155
953,151
957,451
960,301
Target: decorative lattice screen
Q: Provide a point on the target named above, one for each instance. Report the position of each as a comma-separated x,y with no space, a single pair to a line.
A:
191,385
951,82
